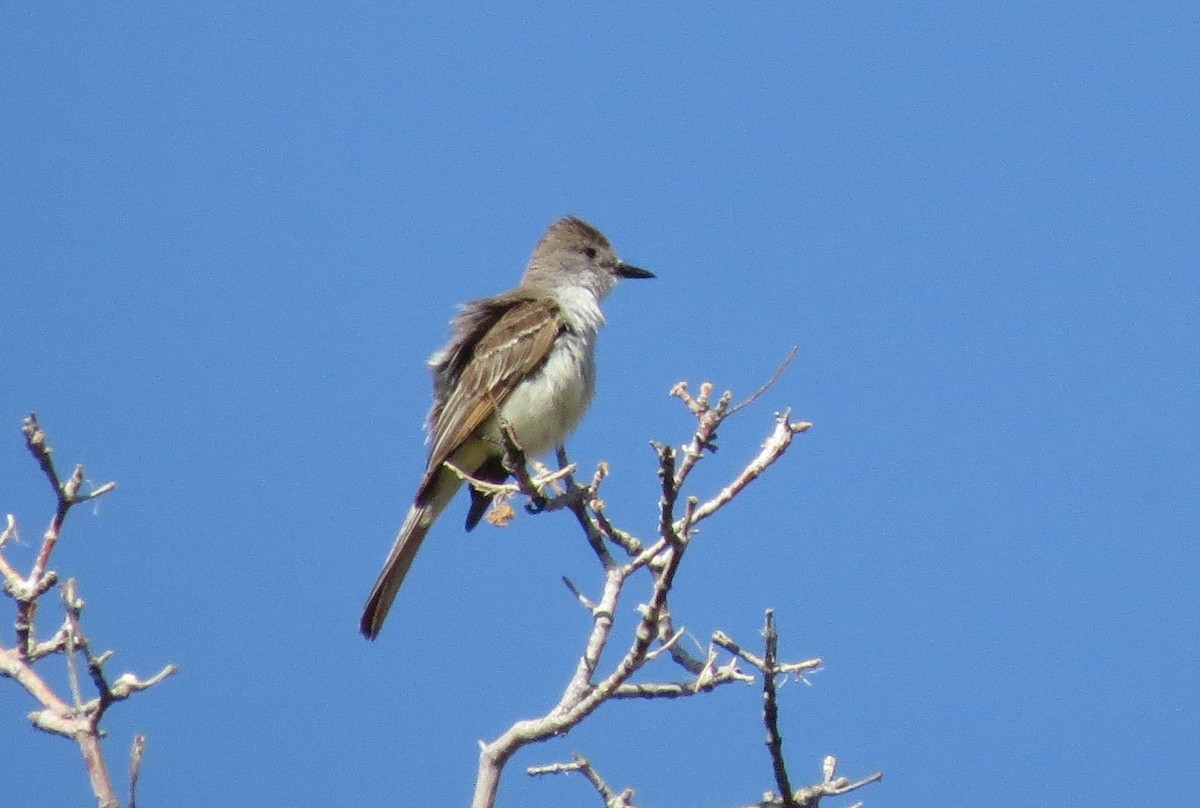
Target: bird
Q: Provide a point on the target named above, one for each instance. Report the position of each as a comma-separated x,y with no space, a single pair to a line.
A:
525,358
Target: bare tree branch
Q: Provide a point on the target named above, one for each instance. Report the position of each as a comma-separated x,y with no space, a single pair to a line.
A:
768,384
580,764
773,448
768,664
654,634
79,721
136,753
774,740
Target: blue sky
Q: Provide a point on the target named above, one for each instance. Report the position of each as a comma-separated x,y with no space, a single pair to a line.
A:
230,236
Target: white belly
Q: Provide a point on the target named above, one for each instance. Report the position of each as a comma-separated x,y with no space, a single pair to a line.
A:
544,409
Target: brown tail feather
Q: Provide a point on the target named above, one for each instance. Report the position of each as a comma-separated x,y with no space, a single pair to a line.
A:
403,551
420,518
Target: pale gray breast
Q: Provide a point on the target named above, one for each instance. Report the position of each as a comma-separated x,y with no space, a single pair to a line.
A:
545,408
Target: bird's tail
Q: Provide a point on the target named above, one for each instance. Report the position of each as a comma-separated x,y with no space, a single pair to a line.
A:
420,518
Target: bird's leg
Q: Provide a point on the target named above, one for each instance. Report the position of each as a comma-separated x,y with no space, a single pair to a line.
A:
518,465
538,501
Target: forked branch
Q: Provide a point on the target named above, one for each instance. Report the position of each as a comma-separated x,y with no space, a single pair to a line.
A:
656,561
71,717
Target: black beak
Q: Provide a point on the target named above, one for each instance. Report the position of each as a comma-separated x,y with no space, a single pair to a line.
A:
624,270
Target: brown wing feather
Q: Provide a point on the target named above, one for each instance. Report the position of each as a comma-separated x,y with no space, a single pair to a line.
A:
515,345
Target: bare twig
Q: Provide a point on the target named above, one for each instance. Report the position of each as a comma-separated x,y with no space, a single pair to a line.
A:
708,679
830,786
508,489
709,418
773,448
67,494
679,652
626,541
612,799
723,640
670,492
581,696
79,721
587,602
73,634
594,531
774,740
768,384
769,665
654,633
135,766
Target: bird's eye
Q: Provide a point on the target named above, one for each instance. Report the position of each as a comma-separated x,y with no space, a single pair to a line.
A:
590,252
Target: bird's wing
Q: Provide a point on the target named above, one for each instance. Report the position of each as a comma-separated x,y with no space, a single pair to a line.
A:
515,344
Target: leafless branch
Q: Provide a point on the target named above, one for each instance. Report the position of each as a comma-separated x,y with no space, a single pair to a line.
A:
770,667
708,679
660,560
830,786
772,449
708,419
80,720
612,799
136,753
771,709
768,384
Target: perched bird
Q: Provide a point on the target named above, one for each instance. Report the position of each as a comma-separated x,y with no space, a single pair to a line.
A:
527,357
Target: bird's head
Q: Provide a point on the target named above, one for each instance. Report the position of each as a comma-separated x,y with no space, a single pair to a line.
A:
572,253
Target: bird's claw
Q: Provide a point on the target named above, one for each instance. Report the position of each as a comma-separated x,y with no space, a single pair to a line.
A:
536,504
